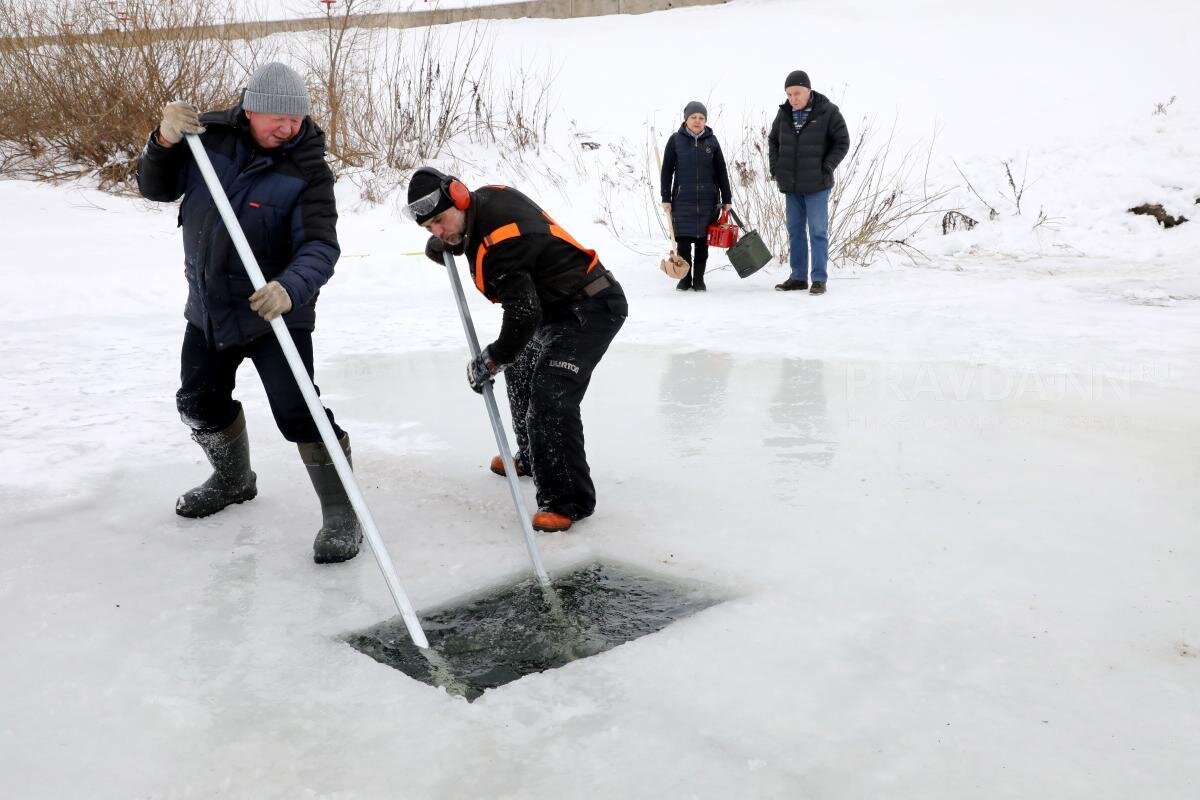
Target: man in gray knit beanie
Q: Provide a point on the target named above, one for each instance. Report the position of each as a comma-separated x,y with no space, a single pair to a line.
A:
270,157
276,103
276,88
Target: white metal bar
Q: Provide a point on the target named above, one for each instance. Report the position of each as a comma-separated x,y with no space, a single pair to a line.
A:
310,397
489,399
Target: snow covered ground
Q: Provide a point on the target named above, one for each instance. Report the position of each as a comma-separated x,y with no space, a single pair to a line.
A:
954,502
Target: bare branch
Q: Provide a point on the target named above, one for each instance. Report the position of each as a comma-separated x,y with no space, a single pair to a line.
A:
992,212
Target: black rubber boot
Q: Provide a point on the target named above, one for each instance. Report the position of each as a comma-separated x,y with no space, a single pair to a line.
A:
340,533
698,278
231,482
791,285
685,283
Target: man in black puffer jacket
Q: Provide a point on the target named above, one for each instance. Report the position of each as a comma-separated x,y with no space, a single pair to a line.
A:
808,139
562,309
270,158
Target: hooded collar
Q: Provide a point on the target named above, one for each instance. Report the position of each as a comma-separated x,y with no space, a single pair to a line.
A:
704,134
236,119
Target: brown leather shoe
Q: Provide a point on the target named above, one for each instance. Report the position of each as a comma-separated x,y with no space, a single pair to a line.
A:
818,288
791,285
497,466
550,521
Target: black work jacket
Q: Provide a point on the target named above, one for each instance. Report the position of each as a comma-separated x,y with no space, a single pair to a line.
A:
519,257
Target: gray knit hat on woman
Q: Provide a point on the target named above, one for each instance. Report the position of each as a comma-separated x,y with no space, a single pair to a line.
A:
276,88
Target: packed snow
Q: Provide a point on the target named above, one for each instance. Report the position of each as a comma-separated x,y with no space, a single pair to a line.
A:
952,502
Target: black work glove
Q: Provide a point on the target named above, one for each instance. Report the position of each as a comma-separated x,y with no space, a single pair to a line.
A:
434,249
482,370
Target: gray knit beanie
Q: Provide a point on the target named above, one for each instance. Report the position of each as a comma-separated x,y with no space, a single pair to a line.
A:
276,88
695,107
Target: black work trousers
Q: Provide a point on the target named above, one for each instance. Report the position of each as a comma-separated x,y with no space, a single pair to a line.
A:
207,377
546,385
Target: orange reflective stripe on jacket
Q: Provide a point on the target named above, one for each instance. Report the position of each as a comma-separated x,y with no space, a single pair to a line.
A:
555,230
497,236
511,231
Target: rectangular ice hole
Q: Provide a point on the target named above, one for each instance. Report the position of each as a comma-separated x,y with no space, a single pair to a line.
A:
506,634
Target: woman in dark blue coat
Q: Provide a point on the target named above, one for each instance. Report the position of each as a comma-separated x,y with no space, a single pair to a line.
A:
694,185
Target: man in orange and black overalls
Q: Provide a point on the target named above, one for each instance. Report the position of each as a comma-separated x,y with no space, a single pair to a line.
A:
562,308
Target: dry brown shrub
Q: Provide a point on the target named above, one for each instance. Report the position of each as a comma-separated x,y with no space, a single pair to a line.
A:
879,201
84,83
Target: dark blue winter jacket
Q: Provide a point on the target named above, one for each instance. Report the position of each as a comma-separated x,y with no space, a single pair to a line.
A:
693,176
284,201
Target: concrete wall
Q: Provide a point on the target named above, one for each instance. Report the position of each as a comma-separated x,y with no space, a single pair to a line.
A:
539,9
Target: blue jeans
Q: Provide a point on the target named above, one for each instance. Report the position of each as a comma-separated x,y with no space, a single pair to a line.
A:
809,211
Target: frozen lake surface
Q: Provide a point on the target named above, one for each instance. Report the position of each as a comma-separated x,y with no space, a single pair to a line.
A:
950,506
932,567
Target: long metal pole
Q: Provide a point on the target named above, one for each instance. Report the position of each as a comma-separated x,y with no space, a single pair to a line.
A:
489,399
310,397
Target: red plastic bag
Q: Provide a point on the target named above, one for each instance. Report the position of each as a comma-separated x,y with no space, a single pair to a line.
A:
722,233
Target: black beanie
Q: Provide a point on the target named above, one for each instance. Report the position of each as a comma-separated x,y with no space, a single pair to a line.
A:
426,181
797,77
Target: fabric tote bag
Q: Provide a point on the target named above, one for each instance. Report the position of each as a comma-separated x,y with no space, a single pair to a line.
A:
749,254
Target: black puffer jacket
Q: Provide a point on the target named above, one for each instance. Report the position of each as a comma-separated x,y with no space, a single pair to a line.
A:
804,162
693,176
284,201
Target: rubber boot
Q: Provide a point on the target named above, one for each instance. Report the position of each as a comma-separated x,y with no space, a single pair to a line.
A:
340,533
698,278
232,481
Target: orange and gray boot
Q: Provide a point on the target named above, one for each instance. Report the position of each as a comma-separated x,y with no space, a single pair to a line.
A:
232,481
340,534
551,521
497,466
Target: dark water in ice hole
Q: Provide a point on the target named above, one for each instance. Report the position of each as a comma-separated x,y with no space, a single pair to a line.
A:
500,637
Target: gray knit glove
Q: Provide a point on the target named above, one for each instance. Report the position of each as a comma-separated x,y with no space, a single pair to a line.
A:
178,118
